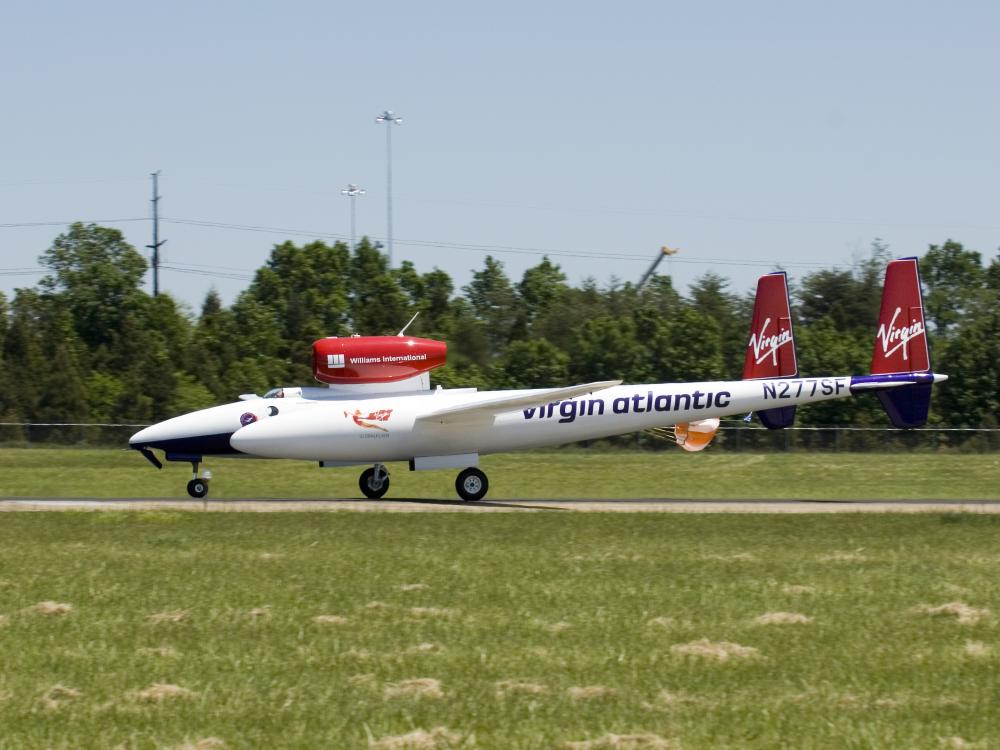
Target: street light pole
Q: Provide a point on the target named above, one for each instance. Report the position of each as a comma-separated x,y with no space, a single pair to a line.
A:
352,191
390,119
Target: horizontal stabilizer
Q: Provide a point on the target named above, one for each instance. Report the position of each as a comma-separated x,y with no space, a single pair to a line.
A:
483,410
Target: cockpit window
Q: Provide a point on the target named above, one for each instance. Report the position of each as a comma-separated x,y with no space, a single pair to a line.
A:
275,393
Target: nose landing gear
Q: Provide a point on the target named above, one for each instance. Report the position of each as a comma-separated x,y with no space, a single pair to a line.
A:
374,482
198,486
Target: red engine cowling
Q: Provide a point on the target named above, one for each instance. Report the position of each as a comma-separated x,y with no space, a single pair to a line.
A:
375,359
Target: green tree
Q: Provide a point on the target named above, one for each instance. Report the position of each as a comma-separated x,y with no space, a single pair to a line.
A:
98,276
493,299
532,364
953,277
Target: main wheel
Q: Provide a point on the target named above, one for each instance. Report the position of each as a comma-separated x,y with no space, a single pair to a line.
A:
472,485
369,487
198,488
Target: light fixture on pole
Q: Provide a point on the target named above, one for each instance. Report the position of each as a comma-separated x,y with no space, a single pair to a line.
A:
352,191
390,119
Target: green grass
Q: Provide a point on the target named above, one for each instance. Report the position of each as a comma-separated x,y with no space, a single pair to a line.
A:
869,671
48,472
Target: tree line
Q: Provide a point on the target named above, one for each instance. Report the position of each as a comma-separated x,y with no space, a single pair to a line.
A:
88,344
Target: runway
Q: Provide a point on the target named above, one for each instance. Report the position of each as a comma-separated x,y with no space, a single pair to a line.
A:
425,505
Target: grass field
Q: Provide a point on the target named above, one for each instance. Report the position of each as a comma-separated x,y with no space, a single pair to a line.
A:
47,472
171,630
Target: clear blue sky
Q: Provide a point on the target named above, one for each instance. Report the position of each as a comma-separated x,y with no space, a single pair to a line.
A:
767,132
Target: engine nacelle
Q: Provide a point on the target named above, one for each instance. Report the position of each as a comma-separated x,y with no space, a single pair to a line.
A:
695,436
357,360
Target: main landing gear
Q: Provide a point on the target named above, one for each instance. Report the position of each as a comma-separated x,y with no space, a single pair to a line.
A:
198,486
374,482
471,483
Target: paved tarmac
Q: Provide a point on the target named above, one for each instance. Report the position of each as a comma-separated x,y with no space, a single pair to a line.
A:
418,505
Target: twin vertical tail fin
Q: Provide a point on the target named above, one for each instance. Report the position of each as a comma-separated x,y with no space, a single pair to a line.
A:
901,360
770,351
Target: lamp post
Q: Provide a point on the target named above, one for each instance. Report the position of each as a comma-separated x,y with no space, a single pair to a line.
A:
352,191
390,119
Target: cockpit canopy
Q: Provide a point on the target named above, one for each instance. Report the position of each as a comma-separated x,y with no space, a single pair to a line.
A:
283,393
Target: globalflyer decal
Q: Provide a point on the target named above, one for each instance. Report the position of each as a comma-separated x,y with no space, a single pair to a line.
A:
371,421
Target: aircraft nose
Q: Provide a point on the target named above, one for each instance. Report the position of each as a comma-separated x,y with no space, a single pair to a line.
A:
145,436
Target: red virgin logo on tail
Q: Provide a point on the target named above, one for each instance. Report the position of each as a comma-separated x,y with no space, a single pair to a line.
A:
898,336
768,343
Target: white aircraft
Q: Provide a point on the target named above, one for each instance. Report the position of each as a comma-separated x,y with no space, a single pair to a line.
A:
379,407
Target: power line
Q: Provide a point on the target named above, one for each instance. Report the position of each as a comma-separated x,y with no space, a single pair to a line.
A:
514,249
28,224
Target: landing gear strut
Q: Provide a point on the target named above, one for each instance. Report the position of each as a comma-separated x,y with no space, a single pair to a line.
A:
472,485
374,482
198,486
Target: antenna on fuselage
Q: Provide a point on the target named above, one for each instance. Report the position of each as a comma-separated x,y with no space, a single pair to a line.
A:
408,324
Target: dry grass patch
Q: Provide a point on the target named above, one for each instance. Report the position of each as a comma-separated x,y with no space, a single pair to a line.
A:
590,692
58,695
358,654
425,648
782,618
556,627
174,615
161,691
735,557
505,688
418,739
4,621
958,743
671,699
622,742
977,650
377,605
662,622
420,687
50,608
366,680
963,613
797,590
164,652
720,651
854,556
330,620
205,743
413,587
430,613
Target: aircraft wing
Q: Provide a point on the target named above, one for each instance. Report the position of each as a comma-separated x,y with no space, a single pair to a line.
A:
488,409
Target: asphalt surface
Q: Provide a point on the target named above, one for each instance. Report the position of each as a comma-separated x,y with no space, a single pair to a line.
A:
417,505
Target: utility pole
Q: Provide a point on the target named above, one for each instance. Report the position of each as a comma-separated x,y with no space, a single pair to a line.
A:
390,119
157,242
352,191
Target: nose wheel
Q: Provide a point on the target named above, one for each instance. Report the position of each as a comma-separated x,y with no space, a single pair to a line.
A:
472,485
374,482
198,486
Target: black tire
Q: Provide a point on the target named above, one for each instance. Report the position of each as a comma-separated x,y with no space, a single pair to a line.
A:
472,485
366,483
198,488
